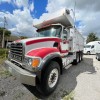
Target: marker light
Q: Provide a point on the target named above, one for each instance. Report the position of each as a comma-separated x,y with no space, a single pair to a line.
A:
35,62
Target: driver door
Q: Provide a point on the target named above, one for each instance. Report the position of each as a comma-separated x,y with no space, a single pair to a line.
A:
64,43
92,49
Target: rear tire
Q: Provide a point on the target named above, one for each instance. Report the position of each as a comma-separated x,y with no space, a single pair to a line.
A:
81,56
50,78
76,61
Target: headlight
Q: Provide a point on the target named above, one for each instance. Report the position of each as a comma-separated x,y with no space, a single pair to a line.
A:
33,62
29,61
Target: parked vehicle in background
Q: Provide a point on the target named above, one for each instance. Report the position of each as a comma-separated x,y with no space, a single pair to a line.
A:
98,56
39,61
92,47
8,45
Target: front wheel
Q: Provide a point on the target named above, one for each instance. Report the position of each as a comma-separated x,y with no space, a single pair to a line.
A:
88,53
50,78
97,57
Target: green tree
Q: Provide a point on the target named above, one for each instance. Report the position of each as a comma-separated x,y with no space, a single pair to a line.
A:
91,37
7,32
23,37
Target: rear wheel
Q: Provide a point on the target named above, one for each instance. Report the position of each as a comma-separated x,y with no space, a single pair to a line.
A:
76,61
50,78
81,56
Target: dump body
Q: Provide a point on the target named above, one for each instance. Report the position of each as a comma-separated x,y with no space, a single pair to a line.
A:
77,43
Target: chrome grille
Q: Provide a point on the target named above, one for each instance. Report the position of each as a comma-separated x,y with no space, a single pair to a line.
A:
17,52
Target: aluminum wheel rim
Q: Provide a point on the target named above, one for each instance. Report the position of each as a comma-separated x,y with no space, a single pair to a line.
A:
78,59
53,78
97,57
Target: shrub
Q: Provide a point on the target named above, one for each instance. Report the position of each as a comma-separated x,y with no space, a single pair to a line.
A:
3,53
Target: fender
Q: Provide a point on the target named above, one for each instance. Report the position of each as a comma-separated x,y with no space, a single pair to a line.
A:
47,54
45,63
42,52
54,57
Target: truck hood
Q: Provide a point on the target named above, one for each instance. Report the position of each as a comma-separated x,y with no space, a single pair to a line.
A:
37,38
37,43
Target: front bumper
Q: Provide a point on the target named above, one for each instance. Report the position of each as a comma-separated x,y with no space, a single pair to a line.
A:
22,75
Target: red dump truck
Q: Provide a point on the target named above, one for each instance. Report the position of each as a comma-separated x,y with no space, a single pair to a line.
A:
39,61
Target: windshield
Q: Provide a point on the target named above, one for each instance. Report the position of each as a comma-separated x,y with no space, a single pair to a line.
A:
87,46
51,31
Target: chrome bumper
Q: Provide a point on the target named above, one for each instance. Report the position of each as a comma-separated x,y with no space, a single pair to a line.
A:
22,75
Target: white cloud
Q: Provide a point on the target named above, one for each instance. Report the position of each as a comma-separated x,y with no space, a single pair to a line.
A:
31,7
87,12
21,3
24,3
19,21
5,1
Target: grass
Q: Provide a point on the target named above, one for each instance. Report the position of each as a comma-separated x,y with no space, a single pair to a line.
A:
2,60
3,55
5,73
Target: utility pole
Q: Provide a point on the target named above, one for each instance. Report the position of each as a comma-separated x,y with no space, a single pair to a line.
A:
5,23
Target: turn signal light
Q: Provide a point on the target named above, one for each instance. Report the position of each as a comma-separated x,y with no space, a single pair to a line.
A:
35,62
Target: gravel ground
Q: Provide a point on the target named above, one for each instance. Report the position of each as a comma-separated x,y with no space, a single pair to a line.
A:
83,81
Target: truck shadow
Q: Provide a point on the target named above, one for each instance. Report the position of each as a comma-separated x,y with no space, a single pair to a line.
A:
68,80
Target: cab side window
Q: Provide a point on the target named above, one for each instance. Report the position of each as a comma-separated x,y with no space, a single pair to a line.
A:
92,46
64,35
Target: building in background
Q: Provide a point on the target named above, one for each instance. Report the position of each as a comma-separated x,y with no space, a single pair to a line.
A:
8,39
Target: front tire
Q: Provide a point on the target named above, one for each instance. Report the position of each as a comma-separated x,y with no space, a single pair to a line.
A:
88,53
50,78
97,57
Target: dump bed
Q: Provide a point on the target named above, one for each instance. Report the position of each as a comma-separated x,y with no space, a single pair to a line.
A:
77,43
63,17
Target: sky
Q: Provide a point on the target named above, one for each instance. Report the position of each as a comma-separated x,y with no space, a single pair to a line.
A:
22,14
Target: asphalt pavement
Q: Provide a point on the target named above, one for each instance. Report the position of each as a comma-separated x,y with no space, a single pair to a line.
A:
83,80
